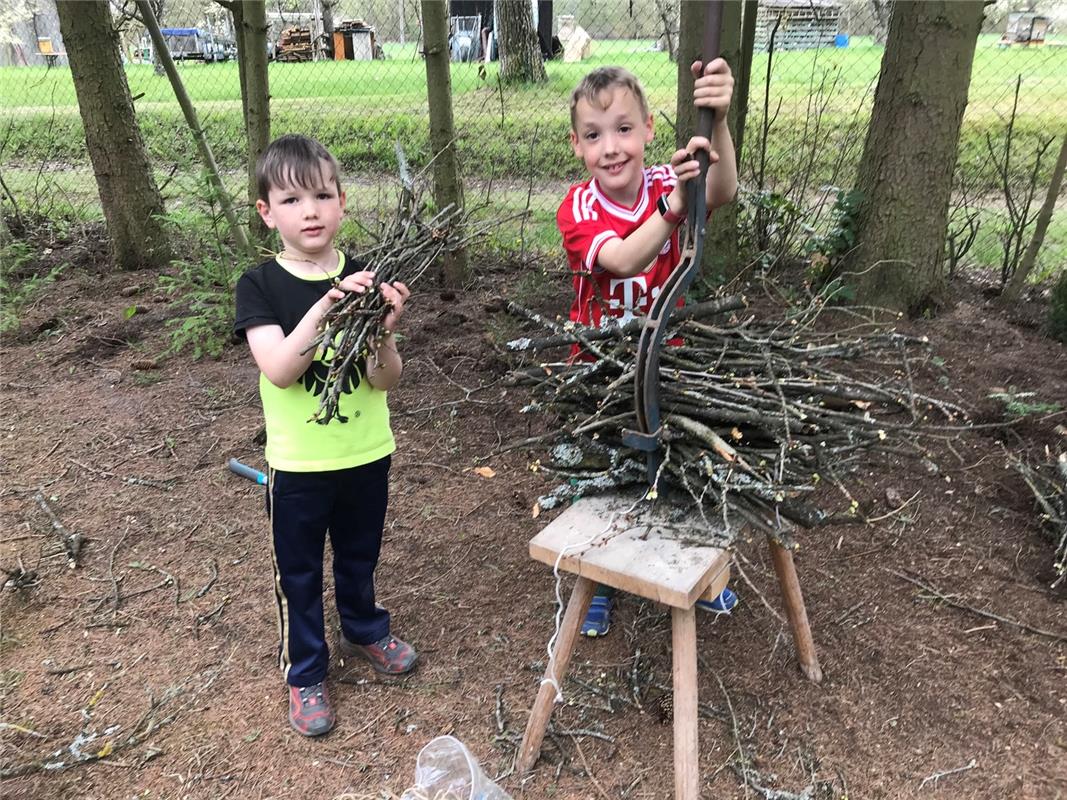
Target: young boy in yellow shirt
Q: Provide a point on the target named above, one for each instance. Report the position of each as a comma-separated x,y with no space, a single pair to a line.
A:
330,478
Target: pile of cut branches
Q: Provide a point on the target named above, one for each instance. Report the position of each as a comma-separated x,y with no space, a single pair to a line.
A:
406,246
756,413
1048,482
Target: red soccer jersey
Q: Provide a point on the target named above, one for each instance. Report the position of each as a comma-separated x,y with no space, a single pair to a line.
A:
588,219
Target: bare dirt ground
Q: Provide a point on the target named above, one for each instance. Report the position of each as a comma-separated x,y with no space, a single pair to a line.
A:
155,656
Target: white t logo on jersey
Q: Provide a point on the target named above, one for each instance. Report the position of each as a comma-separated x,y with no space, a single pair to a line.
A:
632,297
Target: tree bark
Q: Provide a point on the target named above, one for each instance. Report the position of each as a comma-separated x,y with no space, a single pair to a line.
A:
690,33
130,198
448,189
520,53
744,74
1014,289
720,240
236,9
905,173
328,25
881,10
668,16
257,99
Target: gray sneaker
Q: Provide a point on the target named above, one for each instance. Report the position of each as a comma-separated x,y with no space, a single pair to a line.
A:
389,655
310,712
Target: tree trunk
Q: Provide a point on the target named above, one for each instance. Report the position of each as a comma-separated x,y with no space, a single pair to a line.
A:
158,9
720,242
236,9
668,17
1058,308
129,195
328,25
191,119
905,173
1014,289
520,54
257,99
743,74
448,189
690,40
882,13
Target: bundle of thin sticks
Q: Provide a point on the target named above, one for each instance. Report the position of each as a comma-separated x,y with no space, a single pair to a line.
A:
407,245
1048,482
756,414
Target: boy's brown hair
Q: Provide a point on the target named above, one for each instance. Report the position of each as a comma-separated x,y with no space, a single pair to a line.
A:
596,82
294,160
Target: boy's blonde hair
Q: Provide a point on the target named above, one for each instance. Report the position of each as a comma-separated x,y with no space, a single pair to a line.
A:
294,160
596,82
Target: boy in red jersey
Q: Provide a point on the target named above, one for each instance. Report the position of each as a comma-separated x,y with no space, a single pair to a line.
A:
620,227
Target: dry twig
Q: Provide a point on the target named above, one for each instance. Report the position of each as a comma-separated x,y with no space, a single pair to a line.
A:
72,542
755,414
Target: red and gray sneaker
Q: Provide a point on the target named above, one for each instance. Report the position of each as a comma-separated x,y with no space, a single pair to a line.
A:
310,712
388,655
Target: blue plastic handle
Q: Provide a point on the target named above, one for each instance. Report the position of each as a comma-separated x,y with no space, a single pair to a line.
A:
246,471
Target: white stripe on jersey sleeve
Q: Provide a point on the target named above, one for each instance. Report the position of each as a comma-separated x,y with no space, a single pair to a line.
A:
594,247
589,198
582,206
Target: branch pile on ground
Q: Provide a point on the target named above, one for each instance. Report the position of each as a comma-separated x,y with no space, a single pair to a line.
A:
1048,482
407,245
756,413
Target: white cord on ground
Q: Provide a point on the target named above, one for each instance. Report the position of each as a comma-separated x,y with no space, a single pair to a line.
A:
551,679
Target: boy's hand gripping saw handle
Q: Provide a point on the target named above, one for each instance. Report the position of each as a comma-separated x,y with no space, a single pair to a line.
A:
646,377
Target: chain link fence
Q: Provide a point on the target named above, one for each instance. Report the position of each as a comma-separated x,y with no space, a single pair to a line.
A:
363,89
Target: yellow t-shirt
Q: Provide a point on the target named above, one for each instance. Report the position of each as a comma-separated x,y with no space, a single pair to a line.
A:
360,433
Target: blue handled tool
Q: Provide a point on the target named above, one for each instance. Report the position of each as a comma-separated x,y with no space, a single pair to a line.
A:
246,471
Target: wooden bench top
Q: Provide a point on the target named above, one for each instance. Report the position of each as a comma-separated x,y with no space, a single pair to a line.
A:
643,552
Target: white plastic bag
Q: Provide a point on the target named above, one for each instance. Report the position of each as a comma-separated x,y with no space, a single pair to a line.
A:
446,770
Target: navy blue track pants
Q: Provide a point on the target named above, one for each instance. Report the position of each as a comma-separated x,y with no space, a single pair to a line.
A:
350,505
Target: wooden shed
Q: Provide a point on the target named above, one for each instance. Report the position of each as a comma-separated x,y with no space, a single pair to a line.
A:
801,24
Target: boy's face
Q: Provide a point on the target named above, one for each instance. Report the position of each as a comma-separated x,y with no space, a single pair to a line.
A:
611,142
306,219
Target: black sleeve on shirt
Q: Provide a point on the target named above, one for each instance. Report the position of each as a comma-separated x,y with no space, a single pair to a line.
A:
270,295
253,306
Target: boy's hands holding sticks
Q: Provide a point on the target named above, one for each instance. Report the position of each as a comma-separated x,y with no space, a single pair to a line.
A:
395,295
384,365
358,282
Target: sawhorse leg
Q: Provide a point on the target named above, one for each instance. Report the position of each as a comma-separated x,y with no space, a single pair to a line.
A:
794,609
577,607
686,741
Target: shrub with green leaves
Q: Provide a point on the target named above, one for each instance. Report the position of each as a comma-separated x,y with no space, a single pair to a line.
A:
1020,404
826,249
17,288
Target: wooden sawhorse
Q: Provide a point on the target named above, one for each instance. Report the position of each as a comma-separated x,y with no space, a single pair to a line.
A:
662,561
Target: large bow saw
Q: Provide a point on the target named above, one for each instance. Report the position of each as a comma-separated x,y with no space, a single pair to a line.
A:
648,436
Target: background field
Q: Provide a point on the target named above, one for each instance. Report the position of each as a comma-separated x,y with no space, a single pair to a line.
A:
514,140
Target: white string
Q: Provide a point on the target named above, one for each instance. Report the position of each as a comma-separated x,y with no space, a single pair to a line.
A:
551,678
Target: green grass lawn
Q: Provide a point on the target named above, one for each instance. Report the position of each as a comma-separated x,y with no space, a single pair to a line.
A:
360,109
